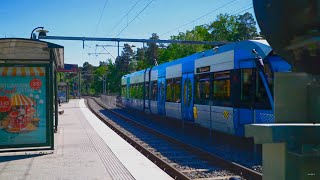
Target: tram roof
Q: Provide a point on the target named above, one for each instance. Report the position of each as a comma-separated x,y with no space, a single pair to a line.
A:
263,45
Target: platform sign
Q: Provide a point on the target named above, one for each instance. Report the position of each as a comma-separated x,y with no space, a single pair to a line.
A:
71,68
23,107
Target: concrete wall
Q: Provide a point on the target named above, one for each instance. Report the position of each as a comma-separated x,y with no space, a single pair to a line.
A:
111,101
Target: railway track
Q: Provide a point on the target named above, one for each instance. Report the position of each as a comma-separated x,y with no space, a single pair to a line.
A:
179,160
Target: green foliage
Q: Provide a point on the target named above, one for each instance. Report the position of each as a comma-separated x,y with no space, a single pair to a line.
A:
152,52
233,28
176,51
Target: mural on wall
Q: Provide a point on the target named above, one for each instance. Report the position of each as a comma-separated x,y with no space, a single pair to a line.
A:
22,106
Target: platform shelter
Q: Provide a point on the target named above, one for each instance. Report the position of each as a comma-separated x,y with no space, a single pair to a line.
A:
28,93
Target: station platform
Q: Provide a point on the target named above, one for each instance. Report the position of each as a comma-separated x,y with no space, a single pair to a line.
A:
85,148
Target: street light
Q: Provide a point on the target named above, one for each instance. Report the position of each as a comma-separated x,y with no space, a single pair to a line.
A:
42,32
104,84
31,36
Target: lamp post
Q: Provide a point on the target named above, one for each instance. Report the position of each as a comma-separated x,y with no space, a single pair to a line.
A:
104,85
33,31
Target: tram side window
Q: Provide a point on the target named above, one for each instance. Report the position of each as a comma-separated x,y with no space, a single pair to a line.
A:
202,89
154,90
253,93
140,91
147,90
123,91
177,90
221,88
131,91
169,90
136,91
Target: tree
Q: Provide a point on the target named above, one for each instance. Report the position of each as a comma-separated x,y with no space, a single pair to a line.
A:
233,28
87,71
113,77
87,76
98,74
123,62
246,26
176,51
152,52
141,59
224,28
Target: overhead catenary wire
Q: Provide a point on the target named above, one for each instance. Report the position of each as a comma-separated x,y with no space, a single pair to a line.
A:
120,22
243,10
123,18
130,21
105,4
134,18
250,5
220,7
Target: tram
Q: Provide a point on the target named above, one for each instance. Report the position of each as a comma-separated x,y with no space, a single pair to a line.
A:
221,89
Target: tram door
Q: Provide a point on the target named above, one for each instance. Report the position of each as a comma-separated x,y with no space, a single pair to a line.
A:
187,97
161,96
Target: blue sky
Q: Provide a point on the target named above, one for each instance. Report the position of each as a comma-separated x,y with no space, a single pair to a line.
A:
89,18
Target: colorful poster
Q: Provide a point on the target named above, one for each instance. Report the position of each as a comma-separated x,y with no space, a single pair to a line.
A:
62,93
23,118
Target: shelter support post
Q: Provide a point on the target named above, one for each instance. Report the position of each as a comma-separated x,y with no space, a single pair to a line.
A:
55,102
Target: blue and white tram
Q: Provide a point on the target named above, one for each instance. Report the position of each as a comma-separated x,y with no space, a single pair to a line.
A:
223,88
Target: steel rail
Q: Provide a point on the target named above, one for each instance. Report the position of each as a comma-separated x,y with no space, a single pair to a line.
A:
212,158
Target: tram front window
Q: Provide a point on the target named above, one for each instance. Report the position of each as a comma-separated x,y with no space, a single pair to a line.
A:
261,96
269,75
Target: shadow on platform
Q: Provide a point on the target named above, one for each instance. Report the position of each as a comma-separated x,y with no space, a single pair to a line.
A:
18,157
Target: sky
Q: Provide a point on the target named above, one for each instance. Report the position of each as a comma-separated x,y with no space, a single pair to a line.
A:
109,18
